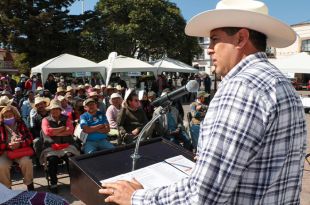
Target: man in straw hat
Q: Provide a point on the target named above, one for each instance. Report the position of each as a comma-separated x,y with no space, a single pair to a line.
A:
253,139
36,116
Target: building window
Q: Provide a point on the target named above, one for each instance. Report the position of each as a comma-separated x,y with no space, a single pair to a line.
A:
305,45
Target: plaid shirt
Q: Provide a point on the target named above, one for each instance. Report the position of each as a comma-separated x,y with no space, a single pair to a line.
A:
251,146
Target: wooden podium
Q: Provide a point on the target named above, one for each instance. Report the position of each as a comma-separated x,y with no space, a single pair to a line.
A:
87,170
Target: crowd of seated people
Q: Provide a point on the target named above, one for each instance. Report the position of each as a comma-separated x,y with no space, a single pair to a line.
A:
43,121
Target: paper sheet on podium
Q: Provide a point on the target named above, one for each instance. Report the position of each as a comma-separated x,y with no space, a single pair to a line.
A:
160,174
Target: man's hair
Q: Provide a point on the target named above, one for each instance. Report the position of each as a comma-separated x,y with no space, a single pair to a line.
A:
258,39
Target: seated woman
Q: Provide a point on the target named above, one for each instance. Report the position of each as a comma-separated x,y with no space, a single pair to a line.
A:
14,135
58,141
112,112
131,119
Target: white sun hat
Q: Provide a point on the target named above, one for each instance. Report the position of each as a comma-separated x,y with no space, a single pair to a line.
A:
245,14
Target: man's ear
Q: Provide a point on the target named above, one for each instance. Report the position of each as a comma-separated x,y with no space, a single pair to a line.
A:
243,37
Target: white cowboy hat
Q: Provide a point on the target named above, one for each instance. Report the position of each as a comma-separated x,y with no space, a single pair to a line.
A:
245,14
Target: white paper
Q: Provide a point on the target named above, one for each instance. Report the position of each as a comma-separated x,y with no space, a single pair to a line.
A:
160,174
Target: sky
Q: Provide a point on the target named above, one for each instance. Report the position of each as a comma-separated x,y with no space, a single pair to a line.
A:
288,11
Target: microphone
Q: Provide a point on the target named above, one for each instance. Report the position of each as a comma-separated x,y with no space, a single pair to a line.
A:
191,87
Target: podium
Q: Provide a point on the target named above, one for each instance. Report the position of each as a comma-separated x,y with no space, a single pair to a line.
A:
87,170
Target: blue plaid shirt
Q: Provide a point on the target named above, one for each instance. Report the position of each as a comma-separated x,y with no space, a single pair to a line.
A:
251,146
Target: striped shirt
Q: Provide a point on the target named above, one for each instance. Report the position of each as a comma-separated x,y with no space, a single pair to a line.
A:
251,146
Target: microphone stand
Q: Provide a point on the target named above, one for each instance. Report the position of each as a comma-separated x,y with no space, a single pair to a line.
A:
135,156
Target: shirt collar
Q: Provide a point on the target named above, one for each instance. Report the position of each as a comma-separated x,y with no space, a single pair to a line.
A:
243,64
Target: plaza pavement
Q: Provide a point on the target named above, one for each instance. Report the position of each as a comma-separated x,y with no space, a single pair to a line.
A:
40,182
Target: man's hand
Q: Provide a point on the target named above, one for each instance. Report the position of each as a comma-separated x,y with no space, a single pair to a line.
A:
135,132
105,128
120,192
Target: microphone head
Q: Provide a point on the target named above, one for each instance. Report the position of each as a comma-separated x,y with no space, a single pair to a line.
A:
192,86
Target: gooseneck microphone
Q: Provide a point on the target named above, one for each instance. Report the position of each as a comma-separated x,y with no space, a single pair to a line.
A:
191,87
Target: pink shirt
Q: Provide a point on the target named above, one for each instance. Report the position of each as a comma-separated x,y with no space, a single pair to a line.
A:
111,114
49,131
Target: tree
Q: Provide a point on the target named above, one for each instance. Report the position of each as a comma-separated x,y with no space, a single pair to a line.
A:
146,29
40,28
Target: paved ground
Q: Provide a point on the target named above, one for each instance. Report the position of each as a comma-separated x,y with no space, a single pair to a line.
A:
64,183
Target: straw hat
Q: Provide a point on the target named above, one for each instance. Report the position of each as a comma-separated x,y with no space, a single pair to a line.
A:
103,86
54,104
202,94
88,101
4,101
69,88
97,87
6,93
61,98
245,14
93,93
81,87
60,89
38,100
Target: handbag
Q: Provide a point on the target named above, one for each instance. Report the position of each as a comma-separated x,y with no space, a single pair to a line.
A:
19,153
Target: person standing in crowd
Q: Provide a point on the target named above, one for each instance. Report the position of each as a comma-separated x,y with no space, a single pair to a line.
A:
14,135
96,125
26,107
58,142
131,119
22,82
18,95
207,83
253,140
11,82
198,112
113,111
32,84
51,84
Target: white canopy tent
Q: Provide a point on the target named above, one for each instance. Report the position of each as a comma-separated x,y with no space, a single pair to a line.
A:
299,63
127,64
171,65
67,63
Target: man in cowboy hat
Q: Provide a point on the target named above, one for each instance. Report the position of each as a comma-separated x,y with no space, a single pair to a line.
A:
253,139
36,116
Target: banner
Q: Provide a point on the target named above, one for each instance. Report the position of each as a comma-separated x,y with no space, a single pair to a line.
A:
111,60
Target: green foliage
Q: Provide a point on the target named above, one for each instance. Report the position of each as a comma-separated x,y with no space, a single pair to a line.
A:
147,29
43,29
40,28
20,62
